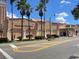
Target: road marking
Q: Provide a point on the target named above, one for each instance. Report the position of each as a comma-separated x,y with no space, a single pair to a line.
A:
41,47
13,46
5,54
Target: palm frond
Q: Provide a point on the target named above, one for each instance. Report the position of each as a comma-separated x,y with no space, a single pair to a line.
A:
21,5
40,6
40,12
11,1
44,1
28,9
75,13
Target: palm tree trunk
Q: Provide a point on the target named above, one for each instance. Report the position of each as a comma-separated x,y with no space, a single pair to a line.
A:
12,23
44,17
41,26
29,26
57,28
21,28
44,24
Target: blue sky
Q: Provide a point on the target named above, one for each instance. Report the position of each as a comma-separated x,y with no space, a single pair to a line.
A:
59,10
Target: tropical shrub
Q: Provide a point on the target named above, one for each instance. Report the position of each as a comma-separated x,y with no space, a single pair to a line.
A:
39,37
2,40
29,36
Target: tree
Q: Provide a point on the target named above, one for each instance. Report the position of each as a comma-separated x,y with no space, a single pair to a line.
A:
21,6
28,12
75,12
11,3
44,2
41,9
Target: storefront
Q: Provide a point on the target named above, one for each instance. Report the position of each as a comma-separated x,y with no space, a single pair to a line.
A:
67,32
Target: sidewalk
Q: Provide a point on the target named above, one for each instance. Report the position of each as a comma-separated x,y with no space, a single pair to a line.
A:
41,41
37,41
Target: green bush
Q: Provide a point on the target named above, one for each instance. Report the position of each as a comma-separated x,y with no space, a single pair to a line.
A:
39,37
52,36
29,36
19,37
55,35
2,40
49,36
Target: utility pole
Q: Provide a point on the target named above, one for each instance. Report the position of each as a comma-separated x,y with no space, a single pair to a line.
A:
50,24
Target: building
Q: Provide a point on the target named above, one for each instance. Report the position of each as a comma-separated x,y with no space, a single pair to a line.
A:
3,25
48,28
17,28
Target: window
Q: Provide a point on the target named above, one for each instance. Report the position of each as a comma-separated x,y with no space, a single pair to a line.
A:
67,25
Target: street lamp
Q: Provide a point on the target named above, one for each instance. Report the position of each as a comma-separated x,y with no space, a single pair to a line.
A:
50,24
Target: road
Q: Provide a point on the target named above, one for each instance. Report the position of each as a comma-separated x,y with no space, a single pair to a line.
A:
61,48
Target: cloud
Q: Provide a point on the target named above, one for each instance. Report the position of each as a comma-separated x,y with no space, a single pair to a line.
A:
9,15
65,2
61,17
61,20
62,14
25,17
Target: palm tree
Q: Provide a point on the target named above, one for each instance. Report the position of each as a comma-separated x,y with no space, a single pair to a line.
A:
21,6
44,2
11,2
28,12
41,9
75,12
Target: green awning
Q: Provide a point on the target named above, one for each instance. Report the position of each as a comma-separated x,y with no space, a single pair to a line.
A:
67,29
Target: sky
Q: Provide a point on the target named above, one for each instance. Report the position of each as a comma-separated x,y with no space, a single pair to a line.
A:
58,10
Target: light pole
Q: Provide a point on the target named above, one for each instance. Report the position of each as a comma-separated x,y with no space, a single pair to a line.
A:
50,24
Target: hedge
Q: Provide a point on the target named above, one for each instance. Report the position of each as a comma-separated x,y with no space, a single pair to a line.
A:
29,36
2,40
39,37
53,35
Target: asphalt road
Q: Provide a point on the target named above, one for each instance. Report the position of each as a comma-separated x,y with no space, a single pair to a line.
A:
58,51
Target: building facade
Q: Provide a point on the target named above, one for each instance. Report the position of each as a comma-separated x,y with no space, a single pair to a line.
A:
48,28
3,25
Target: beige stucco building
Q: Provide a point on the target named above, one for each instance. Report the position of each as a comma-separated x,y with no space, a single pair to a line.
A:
17,28
48,28
3,21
